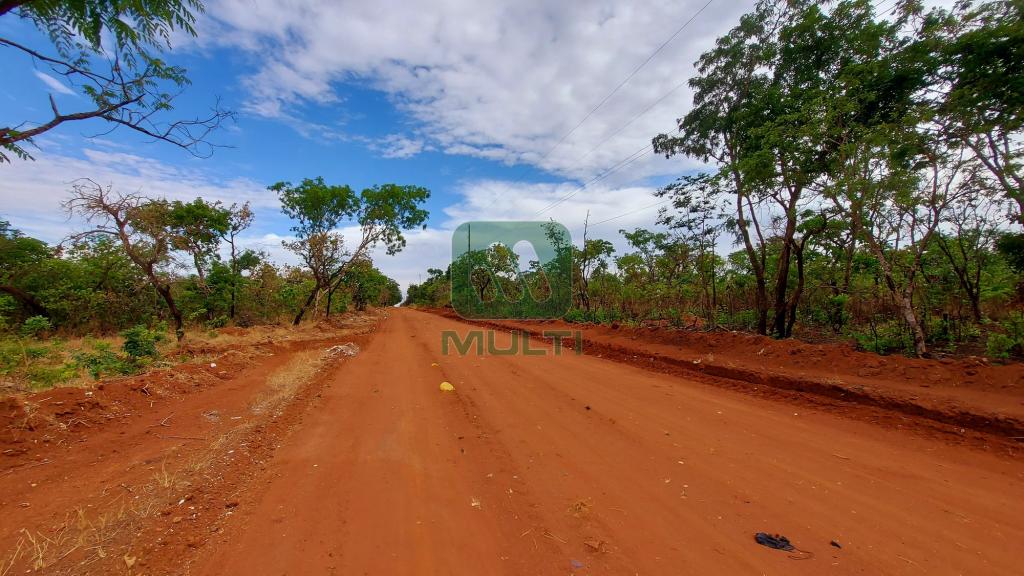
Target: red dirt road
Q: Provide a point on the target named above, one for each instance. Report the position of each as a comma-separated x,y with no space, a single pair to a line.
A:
576,464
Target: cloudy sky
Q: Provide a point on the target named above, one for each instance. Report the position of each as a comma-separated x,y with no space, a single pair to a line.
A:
500,108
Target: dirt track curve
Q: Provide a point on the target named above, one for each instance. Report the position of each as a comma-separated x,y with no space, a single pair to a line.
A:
575,464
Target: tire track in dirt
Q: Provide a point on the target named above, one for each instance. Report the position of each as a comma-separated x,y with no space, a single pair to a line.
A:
613,470
941,415
381,476
151,485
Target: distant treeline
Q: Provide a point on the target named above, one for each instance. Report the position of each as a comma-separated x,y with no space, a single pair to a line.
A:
144,261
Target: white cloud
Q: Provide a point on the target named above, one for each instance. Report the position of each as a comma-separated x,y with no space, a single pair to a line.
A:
497,200
631,207
33,191
53,83
489,78
398,146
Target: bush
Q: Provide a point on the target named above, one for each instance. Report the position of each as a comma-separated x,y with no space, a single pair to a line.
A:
140,342
575,316
12,355
885,338
36,325
999,346
103,361
218,322
49,376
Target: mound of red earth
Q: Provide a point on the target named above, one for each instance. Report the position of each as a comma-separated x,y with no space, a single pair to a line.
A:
84,471
967,394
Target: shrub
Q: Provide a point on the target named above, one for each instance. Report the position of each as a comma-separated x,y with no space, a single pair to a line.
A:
49,376
999,346
885,338
36,325
103,360
218,322
575,316
140,342
12,355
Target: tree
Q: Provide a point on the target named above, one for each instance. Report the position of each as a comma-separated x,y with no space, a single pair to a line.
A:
109,50
590,260
318,208
239,219
977,85
728,107
775,100
975,225
369,286
141,226
19,254
696,215
197,229
383,213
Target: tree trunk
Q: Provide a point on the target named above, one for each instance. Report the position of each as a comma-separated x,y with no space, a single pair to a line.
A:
179,326
781,283
26,299
794,300
904,299
302,311
234,277
907,308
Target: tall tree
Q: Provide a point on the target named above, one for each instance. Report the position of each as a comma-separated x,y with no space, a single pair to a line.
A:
318,209
141,226
239,219
382,212
976,52
197,229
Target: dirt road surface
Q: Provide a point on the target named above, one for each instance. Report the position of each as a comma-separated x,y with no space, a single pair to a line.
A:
579,465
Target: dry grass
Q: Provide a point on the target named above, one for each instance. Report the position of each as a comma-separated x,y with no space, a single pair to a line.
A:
92,535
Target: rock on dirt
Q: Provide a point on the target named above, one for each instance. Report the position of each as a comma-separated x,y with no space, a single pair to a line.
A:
348,350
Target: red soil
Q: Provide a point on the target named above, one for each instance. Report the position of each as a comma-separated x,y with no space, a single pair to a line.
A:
971,393
533,465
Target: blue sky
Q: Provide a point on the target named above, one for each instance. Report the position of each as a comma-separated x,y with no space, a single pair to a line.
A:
468,98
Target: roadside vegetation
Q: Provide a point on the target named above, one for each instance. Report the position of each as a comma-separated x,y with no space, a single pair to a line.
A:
864,182
114,299
98,305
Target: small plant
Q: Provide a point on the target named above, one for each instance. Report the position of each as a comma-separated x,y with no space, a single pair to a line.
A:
218,322
575,316
140,342
102,360
36,326
49,376
884,338
1000,345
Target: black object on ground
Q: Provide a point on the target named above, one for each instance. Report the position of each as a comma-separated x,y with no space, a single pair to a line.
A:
777,541
780,542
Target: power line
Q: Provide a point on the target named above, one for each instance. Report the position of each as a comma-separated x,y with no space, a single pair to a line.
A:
658,203
646,149
627,79
635,118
